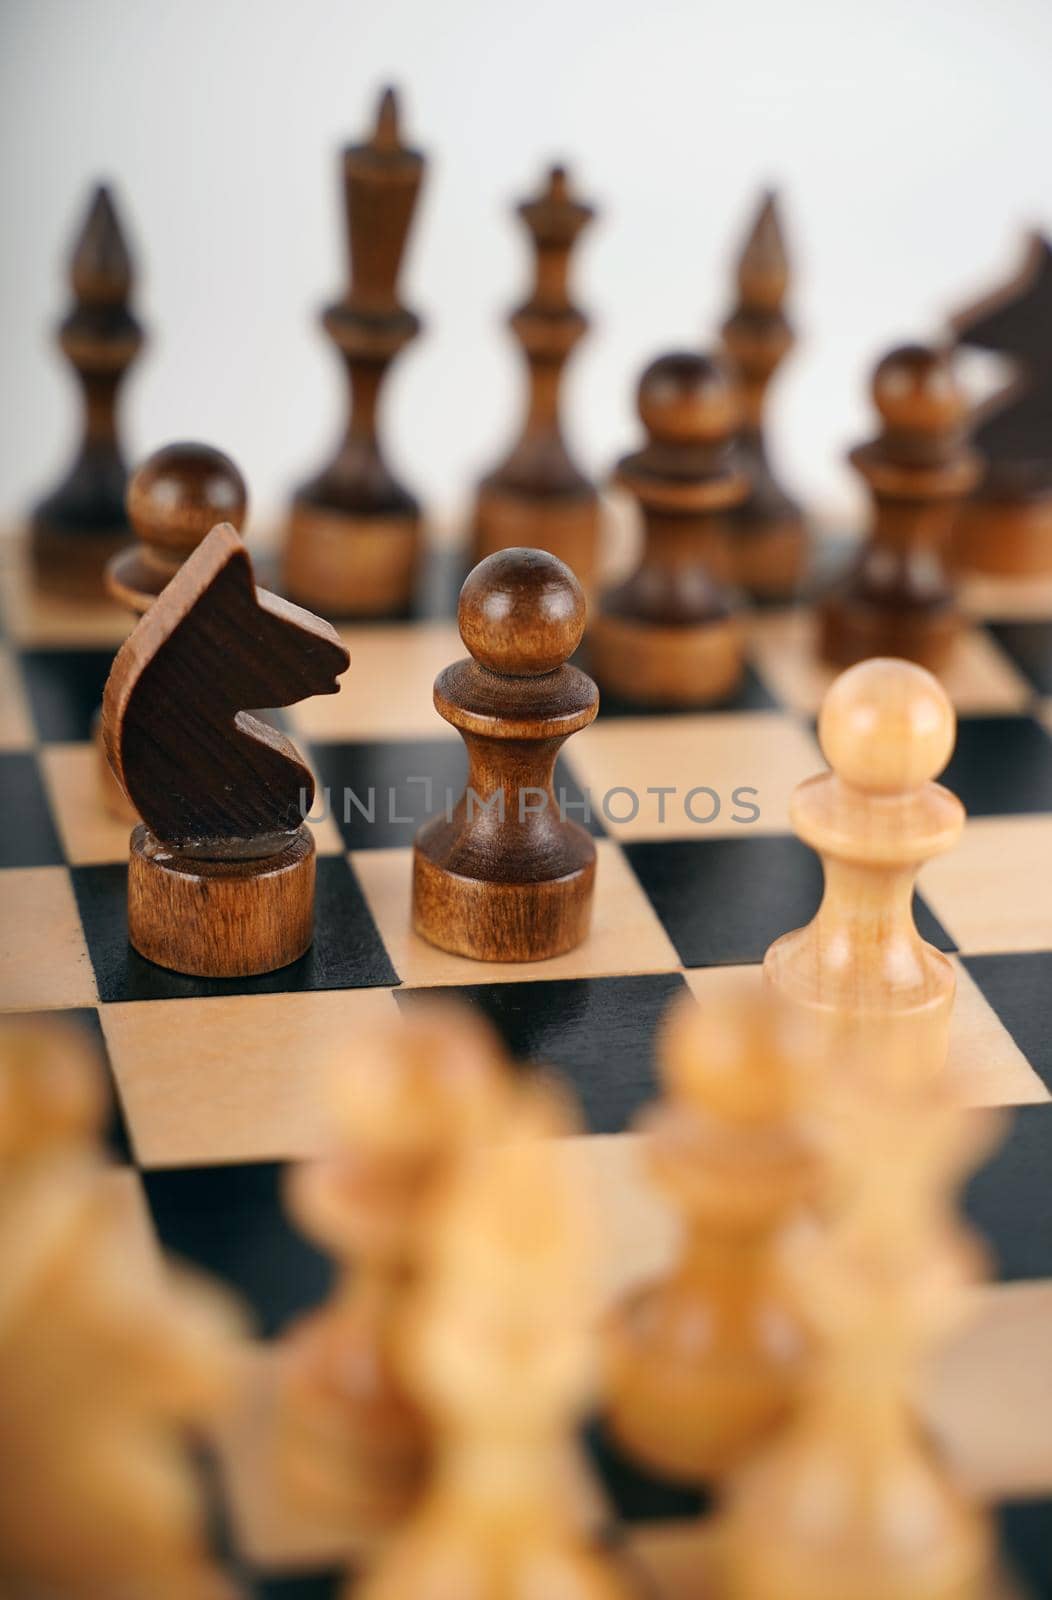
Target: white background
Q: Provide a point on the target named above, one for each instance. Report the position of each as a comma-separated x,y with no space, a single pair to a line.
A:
912,142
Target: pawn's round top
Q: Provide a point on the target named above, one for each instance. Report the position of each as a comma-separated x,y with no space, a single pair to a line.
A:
887,726
521,613
179,494
688,397
916,390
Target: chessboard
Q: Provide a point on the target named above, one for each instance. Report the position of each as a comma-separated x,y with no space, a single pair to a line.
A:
218,1085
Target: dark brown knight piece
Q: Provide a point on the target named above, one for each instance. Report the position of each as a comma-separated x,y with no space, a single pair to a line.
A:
667,635
538,496
354,530
768,548
221,882
82,521
898,600
505,876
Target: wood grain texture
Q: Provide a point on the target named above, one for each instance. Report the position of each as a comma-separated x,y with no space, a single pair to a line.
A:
354,530
705,1360
81,520
860,973
538,495
898,599
504,877
768,538
667,634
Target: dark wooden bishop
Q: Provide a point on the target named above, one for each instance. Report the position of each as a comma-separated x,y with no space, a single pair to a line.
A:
354,532
538,496
1007,526
768,536
82,520
668,634
222,866
506,876
898,599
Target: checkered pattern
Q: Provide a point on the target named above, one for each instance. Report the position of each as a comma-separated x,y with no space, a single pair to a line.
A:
219,1084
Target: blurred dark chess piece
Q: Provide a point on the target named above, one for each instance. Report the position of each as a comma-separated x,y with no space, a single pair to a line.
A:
668,634
354,530
768,534
506,876
82,521
538,496
174,498
221,881
898,600
1006,527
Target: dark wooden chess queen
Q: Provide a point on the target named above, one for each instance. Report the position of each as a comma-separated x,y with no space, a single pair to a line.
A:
354,531
82,521
538,496
668,635
768,548
506,877
221,882
898,600
1006,527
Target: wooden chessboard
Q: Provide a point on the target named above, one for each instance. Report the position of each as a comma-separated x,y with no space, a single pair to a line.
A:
218,1084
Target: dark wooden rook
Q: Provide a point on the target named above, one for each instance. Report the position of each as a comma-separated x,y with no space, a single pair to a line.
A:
82,520
668,634
538,496
354,531
898,599
506,877
221,882
768,536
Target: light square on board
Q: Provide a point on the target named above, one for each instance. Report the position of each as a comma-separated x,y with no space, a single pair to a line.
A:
44,961
980,677
236,1077
626,935
387,691
706,760
16,729
992,890
37,619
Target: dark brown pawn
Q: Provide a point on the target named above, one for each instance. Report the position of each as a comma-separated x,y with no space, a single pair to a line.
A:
768,537
538,494
82,520
508,879
174,498
898,600
354,531
667,636
221,879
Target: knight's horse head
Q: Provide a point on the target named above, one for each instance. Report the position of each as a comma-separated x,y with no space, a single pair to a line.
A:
1016,320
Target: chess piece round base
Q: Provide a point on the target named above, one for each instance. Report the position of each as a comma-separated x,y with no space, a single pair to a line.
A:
351,566
135,580
567,526
220,919
654,664
852,630
489,921
71,563
769,561
1005,538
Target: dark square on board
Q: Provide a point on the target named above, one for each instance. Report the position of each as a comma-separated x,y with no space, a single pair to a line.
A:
723,901
347,952
65,690
1029,644
1010,1200
379,792
598,1033
1001,766
1018,985
28,837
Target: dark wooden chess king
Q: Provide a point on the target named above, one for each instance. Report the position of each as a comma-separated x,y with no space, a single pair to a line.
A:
354,530
221,882
668,635
82,521
898,600
1006,528
538,496
507,877
768,536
